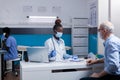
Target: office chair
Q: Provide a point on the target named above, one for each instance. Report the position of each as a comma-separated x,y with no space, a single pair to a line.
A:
13,66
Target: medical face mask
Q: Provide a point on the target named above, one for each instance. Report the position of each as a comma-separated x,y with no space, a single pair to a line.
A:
59,34
100,35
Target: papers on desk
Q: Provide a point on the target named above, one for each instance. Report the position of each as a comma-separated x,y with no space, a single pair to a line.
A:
74,60
22,48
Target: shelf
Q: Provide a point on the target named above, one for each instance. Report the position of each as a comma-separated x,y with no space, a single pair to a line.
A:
80,36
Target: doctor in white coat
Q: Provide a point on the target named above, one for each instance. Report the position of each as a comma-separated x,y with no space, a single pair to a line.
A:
56,45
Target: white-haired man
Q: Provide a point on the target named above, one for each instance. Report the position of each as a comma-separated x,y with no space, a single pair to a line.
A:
112,55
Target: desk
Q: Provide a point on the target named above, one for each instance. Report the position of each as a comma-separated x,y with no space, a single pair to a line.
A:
23,49
54,70
2,52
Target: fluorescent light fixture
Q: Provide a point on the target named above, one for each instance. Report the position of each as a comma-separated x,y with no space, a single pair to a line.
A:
51,17
42,19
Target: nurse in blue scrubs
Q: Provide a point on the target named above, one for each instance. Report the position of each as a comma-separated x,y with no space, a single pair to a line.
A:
9,44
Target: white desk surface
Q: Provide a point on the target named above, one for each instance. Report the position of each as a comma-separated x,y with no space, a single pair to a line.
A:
22,48
2,51
52,65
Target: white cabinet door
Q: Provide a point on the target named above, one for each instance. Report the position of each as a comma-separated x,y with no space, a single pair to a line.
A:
80,31
80,41
80,50
70,75
36,75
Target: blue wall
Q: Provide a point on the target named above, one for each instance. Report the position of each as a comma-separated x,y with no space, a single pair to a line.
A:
93,43
38,39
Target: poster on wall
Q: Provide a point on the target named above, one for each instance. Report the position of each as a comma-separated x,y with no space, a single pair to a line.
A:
93,14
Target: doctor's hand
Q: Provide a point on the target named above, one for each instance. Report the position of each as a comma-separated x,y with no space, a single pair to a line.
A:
52,54
90,61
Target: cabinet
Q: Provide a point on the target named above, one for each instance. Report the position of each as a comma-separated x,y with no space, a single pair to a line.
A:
54,70
80,36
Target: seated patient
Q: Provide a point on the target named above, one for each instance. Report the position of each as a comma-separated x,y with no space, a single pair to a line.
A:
9,44
56,45
111,58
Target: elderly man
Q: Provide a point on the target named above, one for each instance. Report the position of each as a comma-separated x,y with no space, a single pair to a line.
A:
112,55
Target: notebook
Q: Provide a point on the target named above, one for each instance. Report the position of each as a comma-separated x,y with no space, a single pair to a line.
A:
37,54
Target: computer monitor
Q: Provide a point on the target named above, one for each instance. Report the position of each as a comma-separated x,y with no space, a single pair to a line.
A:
37,54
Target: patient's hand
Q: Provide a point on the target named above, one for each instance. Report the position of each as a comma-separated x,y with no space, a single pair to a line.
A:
90,61
95,75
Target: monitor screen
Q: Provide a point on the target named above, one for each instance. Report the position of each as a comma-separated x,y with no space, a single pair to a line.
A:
37,54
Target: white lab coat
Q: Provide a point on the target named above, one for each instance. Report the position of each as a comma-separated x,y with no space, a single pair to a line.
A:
59,47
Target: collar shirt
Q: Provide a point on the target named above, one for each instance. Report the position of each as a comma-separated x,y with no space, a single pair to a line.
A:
112,55
58,45
12,53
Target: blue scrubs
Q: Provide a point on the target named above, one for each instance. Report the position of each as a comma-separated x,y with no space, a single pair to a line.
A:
12,53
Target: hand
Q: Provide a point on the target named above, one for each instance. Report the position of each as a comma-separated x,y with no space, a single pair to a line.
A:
3,37
66,56
90,61
53,53
96,75
75,57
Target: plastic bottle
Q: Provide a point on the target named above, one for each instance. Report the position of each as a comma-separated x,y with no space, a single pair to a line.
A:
91,55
